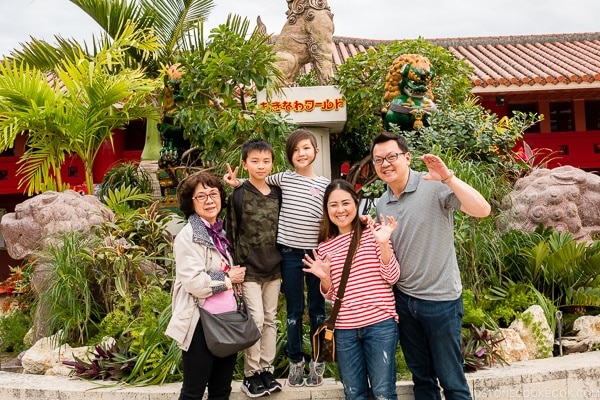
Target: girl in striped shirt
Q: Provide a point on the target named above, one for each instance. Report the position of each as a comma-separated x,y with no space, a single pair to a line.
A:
366,325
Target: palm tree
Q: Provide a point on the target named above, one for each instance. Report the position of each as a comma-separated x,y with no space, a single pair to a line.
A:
77,111
177,24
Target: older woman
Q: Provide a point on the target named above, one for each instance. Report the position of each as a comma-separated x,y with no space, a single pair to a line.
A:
204,277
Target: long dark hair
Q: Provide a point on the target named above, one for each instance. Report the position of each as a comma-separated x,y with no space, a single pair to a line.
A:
328,229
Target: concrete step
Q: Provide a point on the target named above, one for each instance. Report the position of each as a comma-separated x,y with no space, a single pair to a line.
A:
571,377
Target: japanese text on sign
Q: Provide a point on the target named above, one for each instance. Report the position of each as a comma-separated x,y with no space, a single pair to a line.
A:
303,106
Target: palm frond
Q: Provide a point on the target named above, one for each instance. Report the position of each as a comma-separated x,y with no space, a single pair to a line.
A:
176,21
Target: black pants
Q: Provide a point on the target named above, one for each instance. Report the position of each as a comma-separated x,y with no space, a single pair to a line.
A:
202,369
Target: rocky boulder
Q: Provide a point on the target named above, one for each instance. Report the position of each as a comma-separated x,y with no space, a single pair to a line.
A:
40,218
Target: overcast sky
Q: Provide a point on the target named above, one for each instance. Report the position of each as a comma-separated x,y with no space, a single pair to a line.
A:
368,19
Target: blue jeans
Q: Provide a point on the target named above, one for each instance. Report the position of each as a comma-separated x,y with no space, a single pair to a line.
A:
293,288
366,355
430,336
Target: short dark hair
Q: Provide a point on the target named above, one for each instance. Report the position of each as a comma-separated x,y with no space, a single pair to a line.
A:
328,229
386,137
294,138
186,188
256,145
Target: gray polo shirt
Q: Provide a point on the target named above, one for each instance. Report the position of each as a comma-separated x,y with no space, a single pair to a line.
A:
424,239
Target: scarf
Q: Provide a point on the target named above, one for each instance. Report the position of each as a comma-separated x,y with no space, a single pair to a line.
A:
216,233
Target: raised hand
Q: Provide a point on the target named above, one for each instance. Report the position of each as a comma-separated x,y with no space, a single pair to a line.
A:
437,169
319,267
383,234
230,178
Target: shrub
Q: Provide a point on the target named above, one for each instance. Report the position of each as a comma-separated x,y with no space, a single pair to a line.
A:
13,328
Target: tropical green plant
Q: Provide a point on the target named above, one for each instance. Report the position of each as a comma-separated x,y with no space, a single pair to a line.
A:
136,253
562,269
127,174
369,193
73,113
218,91
470,128
69,301
473,315
14,325
506,302
178,25
158,357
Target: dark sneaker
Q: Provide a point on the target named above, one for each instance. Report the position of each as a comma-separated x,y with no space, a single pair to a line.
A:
270,382
315,377
296,374
253,386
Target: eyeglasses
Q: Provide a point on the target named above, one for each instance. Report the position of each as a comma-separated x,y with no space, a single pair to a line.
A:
390,158
202,197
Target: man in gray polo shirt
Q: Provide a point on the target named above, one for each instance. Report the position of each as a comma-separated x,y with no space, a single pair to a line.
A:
428,293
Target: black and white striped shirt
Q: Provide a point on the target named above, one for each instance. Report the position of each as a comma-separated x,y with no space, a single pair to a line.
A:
301,208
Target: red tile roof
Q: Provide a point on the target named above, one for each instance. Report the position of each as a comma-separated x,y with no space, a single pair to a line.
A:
512,63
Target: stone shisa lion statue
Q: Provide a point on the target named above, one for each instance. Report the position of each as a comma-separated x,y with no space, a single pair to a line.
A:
565,198
306,37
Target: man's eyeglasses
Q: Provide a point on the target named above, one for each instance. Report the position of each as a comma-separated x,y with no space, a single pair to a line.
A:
202,197
390,158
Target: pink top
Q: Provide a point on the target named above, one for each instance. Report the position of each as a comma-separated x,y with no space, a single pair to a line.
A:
221,302
368,298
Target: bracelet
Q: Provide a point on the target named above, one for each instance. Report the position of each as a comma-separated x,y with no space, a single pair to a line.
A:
449,177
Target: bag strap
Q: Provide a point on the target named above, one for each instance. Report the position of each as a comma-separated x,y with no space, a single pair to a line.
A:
330,322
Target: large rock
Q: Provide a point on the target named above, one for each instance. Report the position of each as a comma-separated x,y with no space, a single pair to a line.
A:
38,219
46,357
587,325
512,349
565,198
535,332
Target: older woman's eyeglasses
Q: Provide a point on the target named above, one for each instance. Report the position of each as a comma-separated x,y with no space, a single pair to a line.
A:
389,158
202,197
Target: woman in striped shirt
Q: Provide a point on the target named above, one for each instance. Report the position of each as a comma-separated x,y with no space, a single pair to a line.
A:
366,326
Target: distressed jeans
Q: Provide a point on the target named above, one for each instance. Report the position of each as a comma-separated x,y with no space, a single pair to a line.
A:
293,288
368,354
430,336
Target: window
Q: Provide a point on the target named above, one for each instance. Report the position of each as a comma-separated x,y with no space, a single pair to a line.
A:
592,115
135,135
525,108
561,117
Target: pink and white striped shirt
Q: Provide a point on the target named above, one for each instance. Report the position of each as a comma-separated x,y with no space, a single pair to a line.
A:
368,298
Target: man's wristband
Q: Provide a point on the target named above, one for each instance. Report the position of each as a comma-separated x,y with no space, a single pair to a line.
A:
449,177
